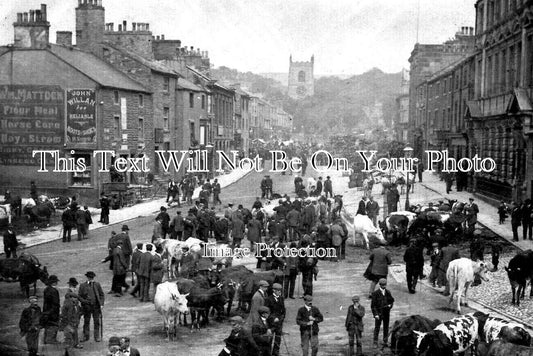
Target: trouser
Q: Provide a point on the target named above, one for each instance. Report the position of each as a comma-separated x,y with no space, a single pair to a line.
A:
433,275
82,231
176,235
71,337
119,281
412,278
384,318
293,233
137,287
50,334
527,226
307,339
374,219
145,288
263,193
373,283
67,231
96,313
307,282
216,198
290,282
326,192
355,335
343,249
515,231
104,217
32,342
10,251
277,340
337,253
237,242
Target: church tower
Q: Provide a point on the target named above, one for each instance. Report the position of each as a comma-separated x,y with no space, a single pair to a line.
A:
90,25
301,79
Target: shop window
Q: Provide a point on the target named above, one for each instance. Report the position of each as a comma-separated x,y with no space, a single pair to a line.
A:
82,179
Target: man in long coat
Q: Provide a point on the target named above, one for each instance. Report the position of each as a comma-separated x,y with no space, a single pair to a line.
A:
51,307
258,300
92,302
143,272
276,304
30,326
156,269
354,325
382,302
380,259
70,318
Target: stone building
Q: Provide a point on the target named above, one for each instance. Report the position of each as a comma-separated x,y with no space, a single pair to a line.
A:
301,78
62,99
401,120
499,116
426,60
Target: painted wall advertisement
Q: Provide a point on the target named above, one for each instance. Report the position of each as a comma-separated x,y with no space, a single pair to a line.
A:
31,118
81,117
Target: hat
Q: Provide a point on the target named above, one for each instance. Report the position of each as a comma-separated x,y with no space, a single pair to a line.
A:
263,309
355,298
52,279
33,298
276,286
230,204
237,319
114,341
477,232
470,198
435,244
263,283
382,281
90,274
125,228
72,282
308,298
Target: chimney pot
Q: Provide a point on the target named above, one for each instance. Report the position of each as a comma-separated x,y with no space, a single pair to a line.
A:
25,17
179,43
124,25
19,17
157,38
38,16
32,16
119,28
162,37
43,12
147,27
134,26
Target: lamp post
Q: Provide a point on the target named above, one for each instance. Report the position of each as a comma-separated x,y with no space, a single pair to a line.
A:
210,158
408,151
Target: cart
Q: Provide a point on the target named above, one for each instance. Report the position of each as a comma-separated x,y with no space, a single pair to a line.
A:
117,192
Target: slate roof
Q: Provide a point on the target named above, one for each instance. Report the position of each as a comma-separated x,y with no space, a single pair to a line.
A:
95,68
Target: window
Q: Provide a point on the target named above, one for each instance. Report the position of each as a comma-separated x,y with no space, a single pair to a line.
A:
301,76
82,179
141,129
166,83
115,97
191,100
141,100
191,130
116,127
165,118
203,101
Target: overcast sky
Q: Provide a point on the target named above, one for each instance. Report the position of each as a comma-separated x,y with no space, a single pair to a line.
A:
346,36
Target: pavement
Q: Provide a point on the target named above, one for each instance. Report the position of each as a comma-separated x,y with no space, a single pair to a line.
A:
150,206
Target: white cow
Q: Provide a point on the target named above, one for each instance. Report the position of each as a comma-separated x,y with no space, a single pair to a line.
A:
311,184
363,225
460,275
172,251
169,303
5,212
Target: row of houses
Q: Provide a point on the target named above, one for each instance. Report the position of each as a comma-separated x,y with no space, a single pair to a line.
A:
123,90
472,95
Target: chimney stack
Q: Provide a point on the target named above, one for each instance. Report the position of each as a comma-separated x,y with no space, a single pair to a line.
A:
147,27
124,25
32,29
162,37
64,38
134,26
119,28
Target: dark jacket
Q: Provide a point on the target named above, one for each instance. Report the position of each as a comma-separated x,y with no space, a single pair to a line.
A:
381,303
68,218
145,264
51,305
93,294
241,343
361,209
354,318
259,333
120,264
381,260
30,319
277,310
71,311
156,270
414,258
10,239
136,260
302,318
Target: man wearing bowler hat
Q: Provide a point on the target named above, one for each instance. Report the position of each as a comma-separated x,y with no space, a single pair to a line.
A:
354,325
93,299
382,302
277,315
51,305
308,318
240,341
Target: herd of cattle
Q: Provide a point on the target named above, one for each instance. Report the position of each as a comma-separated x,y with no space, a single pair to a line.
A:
36,211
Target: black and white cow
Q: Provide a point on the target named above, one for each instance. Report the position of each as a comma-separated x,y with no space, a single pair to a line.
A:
396,225
453,336
499,329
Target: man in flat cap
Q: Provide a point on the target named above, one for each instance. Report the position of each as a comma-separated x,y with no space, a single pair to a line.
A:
354,325
30,326
276,305
308,318
382,302
114,346
258,300
51,306
262,331
70,317
240,341
92,303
